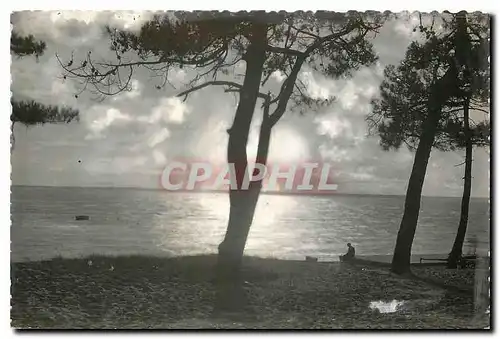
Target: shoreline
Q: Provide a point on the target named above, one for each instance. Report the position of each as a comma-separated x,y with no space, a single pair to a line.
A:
149,292
373,259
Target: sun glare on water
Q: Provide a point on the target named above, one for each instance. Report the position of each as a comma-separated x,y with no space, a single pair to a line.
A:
270,211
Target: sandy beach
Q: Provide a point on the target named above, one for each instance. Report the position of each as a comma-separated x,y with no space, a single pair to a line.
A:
137,292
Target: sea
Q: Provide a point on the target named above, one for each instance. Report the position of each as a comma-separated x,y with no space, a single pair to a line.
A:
125,221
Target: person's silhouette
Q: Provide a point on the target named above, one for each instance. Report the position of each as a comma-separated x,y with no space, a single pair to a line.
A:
351,252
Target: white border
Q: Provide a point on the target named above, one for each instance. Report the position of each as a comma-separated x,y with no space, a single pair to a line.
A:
396,6
380,5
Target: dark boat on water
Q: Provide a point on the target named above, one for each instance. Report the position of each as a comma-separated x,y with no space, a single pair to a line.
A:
82,217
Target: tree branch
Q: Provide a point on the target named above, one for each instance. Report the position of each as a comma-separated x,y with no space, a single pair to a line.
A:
287,51
208,83
305,32
260,94
289,83
480,109
114,67
233,87
286,90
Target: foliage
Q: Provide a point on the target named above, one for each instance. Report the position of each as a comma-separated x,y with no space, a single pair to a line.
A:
26,45
214,42
31,112
398,114
34,113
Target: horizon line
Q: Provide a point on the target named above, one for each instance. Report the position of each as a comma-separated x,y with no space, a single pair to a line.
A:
226,191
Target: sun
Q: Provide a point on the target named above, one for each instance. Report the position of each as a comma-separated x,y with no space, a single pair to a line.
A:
287,145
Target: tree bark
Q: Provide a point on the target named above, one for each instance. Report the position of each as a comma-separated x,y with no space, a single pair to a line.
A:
456,251
439,93
12,136
402,252
231,295
441,90
463,55
241,215
242,203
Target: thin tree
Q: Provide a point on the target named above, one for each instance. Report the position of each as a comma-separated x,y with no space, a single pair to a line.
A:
212,44
418,101
473,53
466,136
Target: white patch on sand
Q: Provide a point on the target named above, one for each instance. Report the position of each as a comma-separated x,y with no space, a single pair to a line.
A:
386,307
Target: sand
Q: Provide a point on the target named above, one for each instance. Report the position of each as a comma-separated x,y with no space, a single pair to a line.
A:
137,292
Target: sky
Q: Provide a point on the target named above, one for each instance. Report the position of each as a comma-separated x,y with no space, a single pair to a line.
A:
127,139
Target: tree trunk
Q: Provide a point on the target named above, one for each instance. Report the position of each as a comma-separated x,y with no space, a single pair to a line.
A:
482,286
241,216
242,201
456,251
440,92
231,295
402,252
12,136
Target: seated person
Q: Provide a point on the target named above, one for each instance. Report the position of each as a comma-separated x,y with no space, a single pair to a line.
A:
351,252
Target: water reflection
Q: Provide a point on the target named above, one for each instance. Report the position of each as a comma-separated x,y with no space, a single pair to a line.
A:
149,222
193,224
386,307
201,219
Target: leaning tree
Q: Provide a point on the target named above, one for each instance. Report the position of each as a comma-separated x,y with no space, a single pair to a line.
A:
474,51
424,101
29,112
212,44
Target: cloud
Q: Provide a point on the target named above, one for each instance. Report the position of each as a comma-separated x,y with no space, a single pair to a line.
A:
135,91
333,126
171,110
111,116
159,137
287,144
159,158
127,139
